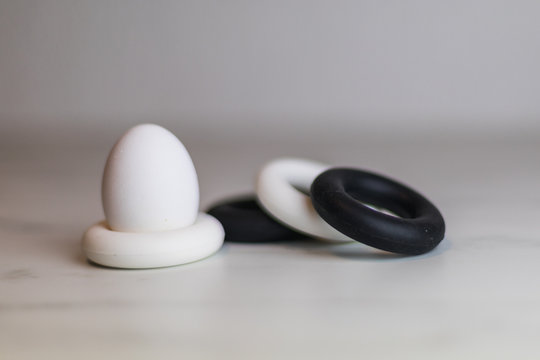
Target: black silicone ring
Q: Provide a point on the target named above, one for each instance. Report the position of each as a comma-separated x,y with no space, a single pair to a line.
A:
339,196
244,221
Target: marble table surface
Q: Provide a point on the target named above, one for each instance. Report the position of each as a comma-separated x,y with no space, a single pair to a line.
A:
476,296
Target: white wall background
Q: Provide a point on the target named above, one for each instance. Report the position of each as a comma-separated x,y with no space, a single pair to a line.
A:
265,68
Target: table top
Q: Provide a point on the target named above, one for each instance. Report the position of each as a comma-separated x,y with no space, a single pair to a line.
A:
475,296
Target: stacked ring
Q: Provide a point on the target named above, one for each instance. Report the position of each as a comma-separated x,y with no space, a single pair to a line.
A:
340,196
337,204
244,221
281,189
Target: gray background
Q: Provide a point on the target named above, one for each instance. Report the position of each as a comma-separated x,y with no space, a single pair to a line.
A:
287,70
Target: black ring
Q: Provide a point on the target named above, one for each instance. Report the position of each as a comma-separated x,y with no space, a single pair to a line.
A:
339,196
244,221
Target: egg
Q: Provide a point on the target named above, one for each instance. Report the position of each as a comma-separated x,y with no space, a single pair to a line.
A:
149,182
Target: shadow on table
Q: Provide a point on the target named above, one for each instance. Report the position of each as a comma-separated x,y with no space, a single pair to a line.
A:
355,250
308,246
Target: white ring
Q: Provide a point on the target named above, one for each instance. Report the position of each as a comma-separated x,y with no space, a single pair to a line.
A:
153,249
277,189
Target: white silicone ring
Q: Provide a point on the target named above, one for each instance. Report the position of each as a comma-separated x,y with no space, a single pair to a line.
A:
277,192
153,249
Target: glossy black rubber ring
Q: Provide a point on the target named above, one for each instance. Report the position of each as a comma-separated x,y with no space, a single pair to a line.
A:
339,196
244,221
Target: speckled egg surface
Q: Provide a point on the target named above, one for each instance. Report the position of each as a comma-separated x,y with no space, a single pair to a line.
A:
149,182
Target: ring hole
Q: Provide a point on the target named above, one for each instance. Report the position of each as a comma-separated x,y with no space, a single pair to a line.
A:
301,189
381,209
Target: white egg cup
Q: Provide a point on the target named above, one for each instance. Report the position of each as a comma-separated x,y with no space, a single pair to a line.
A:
154,249
150,198
277,189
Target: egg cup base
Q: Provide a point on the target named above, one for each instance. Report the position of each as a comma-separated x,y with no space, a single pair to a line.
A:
127,250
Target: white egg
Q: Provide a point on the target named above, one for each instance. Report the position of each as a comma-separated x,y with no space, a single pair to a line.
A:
149,182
